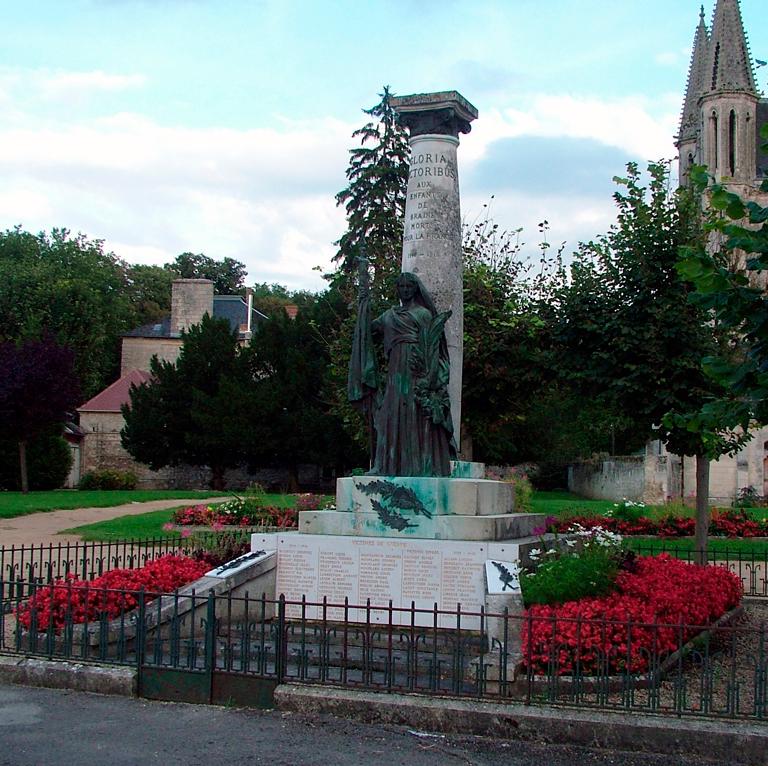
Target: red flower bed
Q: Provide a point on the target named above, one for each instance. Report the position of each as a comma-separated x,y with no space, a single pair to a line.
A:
206,516
724,523
110,595
638,624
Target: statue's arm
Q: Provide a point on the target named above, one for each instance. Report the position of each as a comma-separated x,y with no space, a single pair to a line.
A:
377,325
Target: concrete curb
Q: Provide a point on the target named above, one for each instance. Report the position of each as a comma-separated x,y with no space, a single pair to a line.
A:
51,674
729,741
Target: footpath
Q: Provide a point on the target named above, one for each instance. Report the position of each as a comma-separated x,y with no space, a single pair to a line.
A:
45,527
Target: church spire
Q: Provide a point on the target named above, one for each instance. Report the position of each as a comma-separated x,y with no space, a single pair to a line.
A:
729,64
696,81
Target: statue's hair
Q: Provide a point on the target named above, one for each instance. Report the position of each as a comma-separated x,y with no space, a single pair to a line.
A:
422,297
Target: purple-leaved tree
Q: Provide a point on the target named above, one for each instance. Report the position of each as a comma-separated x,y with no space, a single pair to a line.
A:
37,388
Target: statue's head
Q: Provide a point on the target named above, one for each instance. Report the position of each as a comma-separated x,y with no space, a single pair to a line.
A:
409,287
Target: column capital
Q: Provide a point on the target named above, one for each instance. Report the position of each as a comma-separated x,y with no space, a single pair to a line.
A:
444,113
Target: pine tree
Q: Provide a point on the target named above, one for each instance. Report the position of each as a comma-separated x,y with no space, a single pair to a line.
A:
375,195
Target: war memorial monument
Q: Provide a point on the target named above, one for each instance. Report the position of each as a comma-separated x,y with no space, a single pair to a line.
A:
420,529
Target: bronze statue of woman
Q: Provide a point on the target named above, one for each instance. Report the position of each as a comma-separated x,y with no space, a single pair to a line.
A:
412,416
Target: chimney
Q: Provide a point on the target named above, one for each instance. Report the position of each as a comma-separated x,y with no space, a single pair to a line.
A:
191,299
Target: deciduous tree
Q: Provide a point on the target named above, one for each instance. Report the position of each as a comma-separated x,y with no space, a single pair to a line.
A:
624,330
227,275
71,288
37,389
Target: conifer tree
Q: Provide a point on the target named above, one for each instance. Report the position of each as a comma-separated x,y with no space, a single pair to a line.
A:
375,195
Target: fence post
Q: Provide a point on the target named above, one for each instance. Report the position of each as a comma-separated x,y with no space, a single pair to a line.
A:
140,639
281,648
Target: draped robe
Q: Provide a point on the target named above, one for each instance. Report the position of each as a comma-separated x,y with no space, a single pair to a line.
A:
409,441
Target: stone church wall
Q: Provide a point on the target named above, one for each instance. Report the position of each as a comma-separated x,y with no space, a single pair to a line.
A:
642,478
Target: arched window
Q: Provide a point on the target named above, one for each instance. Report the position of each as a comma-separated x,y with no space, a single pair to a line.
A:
713,152
732,143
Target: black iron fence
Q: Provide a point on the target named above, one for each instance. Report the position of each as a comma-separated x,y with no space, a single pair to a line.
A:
751,566
46,562
218,648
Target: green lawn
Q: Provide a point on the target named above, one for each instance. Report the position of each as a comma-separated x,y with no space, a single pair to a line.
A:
17,504
126,527
719,547
150,524
557,503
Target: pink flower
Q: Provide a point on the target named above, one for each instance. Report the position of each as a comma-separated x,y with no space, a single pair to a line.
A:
186,533
168,527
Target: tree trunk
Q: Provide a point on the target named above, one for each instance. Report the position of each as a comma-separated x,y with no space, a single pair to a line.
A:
466,448
293,478
702,508
217,478
23,467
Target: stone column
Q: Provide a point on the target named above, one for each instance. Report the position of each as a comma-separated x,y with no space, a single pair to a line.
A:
432,228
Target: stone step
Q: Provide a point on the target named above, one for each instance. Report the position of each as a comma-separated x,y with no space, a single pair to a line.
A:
456,527
465,469
429,495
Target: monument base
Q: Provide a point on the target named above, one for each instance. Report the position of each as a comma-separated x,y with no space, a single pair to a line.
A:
425,495
425,581
457,527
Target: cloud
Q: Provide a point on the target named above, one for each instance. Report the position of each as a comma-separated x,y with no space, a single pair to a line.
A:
58,85
543,165
632,124
266,195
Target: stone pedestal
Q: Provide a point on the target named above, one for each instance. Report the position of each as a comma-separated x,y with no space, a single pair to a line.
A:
426,507
432,226
416,576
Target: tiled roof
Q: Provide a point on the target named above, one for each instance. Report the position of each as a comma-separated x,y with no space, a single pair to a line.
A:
233,308
117,394
159,329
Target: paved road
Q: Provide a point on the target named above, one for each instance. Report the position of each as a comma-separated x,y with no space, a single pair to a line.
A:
47,726
44,527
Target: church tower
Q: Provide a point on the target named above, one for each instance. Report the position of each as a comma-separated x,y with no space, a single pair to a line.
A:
723,110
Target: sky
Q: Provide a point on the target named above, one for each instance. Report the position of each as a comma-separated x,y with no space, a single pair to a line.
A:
224,126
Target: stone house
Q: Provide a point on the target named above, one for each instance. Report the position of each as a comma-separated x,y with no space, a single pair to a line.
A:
722,116
100,417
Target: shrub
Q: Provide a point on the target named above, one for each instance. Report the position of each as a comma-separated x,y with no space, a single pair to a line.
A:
569,578
584,565
216,550
49,459
748,497
309,502
627,510
108,479
517,476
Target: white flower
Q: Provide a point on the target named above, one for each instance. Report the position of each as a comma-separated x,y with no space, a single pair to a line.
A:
570,543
